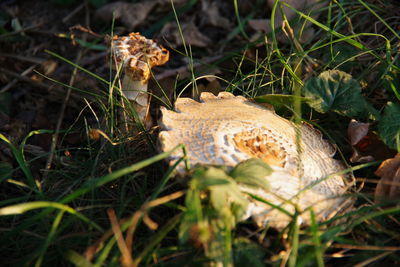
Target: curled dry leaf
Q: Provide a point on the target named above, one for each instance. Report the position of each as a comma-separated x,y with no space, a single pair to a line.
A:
389,185
366,145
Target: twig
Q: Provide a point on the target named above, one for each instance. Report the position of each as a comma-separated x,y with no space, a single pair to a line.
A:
41,85
15,80
3,36
73,13
64,105
35,60
25,79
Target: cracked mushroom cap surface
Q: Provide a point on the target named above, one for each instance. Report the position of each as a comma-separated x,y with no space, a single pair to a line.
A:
227,129
138,55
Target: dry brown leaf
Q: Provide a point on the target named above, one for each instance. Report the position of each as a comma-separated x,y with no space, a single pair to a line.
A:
191,34
47,68
366,145
388,187
212,15
130,14
260,25
357,131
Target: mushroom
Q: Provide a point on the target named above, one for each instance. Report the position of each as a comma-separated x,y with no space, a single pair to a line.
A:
227,129
137,55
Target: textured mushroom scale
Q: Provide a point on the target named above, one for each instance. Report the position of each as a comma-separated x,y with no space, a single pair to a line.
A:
227,129
138,55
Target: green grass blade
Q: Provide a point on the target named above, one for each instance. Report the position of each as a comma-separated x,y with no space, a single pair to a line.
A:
240,23
379,17
49,238
94,183
295,228
169,226
77,66
18,155
68,86
77,259
24,207
316,240
271,204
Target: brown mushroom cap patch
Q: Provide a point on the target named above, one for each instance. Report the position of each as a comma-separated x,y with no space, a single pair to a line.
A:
138,55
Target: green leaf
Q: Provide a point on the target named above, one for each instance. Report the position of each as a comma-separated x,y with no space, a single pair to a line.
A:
209,176
337,91
252,172
223,189
389,126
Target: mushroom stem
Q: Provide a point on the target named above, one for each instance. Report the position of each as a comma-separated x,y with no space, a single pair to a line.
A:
135,90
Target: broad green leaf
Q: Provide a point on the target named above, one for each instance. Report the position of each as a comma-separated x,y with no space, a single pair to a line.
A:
205,177
389,126
252,172
224,196
223,189
337,91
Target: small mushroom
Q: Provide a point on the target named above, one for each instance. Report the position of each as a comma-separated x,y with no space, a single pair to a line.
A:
138,55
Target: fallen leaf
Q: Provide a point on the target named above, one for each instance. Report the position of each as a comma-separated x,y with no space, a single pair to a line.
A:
191,35
212,15
357,131
262,25
46,68
130,14
388,187
366,145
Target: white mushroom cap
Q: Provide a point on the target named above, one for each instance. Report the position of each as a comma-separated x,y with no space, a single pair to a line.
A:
228,129
138,55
